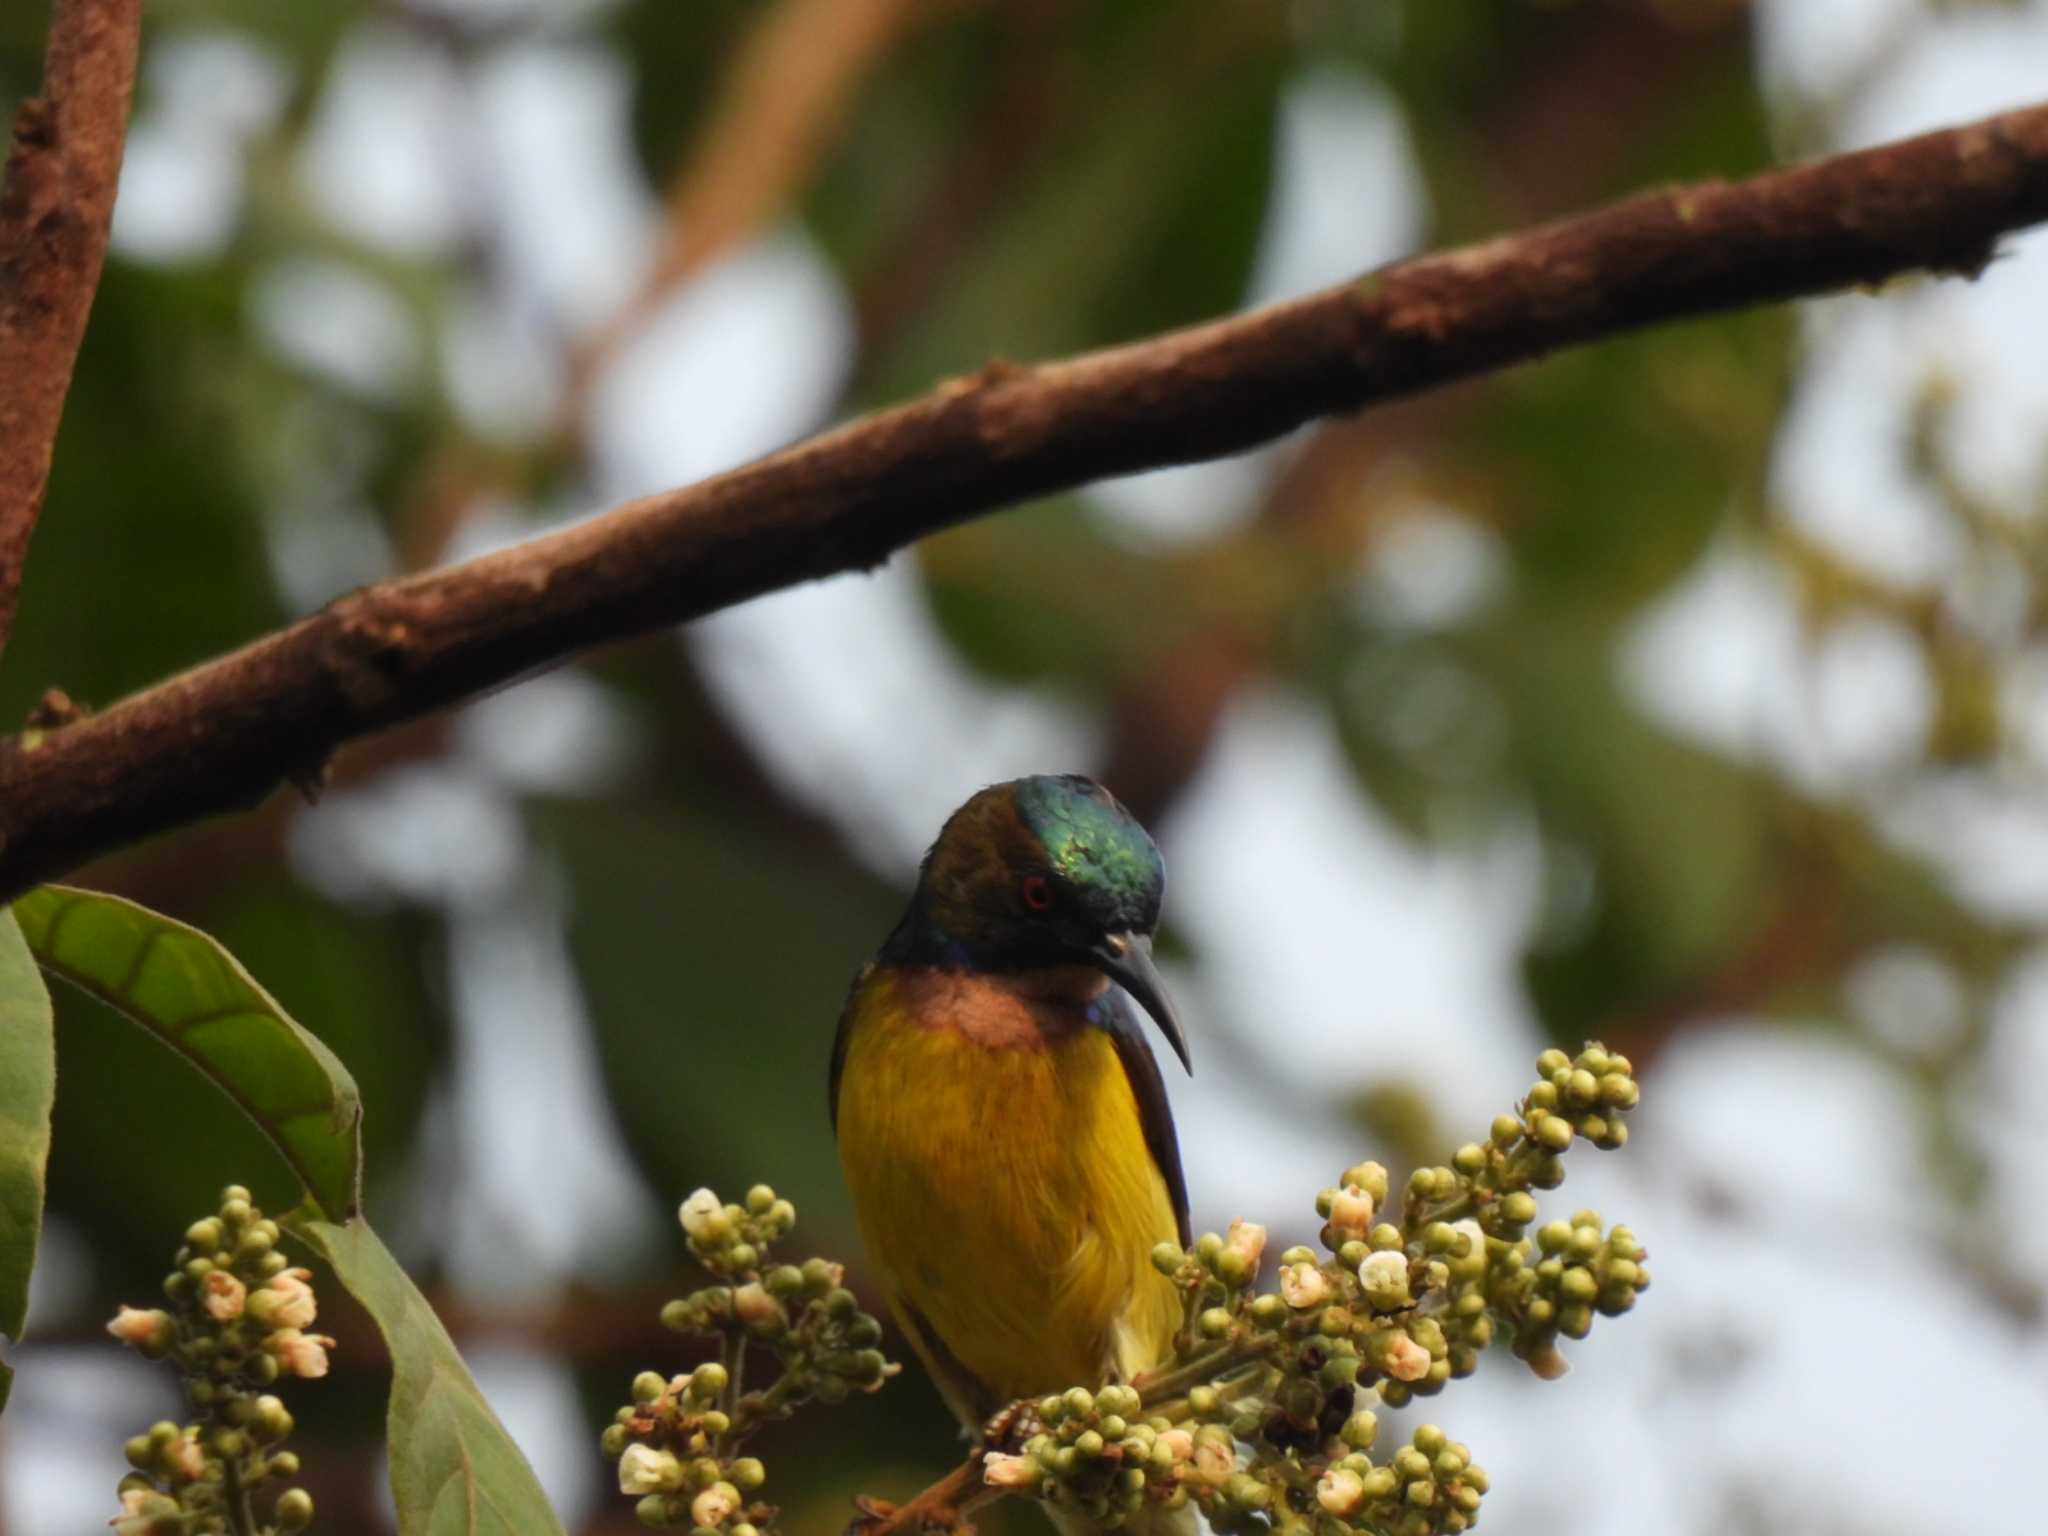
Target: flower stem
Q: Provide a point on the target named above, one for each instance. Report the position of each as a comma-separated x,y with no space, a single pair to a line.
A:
235,1499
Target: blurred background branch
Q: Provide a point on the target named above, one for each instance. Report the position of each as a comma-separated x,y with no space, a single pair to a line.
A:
223,735
56,207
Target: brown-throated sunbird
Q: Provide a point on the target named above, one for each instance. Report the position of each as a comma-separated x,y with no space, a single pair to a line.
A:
1001,1120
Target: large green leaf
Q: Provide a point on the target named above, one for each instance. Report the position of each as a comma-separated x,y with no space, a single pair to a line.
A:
194,996
453,1467
28,1082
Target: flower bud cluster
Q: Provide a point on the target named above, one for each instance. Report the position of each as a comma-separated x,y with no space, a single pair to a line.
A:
235,1322
1098,1454
1428,1486
1256,1417
677,1442
1580,1272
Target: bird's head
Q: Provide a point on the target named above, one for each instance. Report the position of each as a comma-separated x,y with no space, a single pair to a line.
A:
1049,871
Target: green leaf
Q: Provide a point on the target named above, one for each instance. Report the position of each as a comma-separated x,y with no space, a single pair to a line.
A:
194,996
28,1084
453,1467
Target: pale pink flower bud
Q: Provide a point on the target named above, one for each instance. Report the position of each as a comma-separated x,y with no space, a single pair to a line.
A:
1180,1445
1351,1215
148,1331
715,1504
287,1301
1002,1471
643,1470
224,1295
1405,1360
1215,1461
1341,1492
752,1305
299,1354
1246,1238
183,1459
1303,1286
145,1512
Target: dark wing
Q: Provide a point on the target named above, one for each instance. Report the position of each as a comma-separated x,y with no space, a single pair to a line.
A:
839,1044
1135,1051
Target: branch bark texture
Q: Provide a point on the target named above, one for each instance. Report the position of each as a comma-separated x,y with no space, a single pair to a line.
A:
55,212
225,734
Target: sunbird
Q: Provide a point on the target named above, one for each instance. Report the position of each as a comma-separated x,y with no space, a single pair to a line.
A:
1001,1119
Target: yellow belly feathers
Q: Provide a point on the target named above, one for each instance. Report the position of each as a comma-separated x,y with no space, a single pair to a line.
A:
1000,1175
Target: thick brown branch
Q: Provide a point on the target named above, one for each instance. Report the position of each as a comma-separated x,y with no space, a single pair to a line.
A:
222,736
54,216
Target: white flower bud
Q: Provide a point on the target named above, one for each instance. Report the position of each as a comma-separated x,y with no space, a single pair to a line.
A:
1385,1278
644,1470
145,1512
183,1459
715,1504
1303,1286
1002,1471
752,1305
698,1215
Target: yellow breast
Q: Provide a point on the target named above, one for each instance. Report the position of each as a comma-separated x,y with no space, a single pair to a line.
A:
999,1171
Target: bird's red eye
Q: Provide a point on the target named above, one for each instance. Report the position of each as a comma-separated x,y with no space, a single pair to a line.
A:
1037,893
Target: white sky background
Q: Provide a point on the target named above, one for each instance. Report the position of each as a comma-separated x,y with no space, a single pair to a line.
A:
1769,1164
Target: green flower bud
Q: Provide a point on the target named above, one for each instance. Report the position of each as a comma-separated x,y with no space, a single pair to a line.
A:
1519,1206
1551,1062
1203,1400
1215,1323
1246,1492
1268,1310
760,1200
294,1509
743,1256
613,1441
1167,1257
647,1386
783,1281
748,1472
1421,1494
1469,1159
1080,1401
1360,1430
707,1381
1555,1132
1542,1096
1578,1285
1505,1131
652,1510
235,1212
820,1275
1581,1088
1384,1238
204,1235
1618,1092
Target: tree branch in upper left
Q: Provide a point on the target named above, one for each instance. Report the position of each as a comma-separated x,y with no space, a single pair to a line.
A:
55,212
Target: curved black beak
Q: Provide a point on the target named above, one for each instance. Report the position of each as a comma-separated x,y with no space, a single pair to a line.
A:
1126,959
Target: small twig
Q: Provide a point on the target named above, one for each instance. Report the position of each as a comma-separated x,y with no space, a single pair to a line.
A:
55,212
223,735
944,1505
